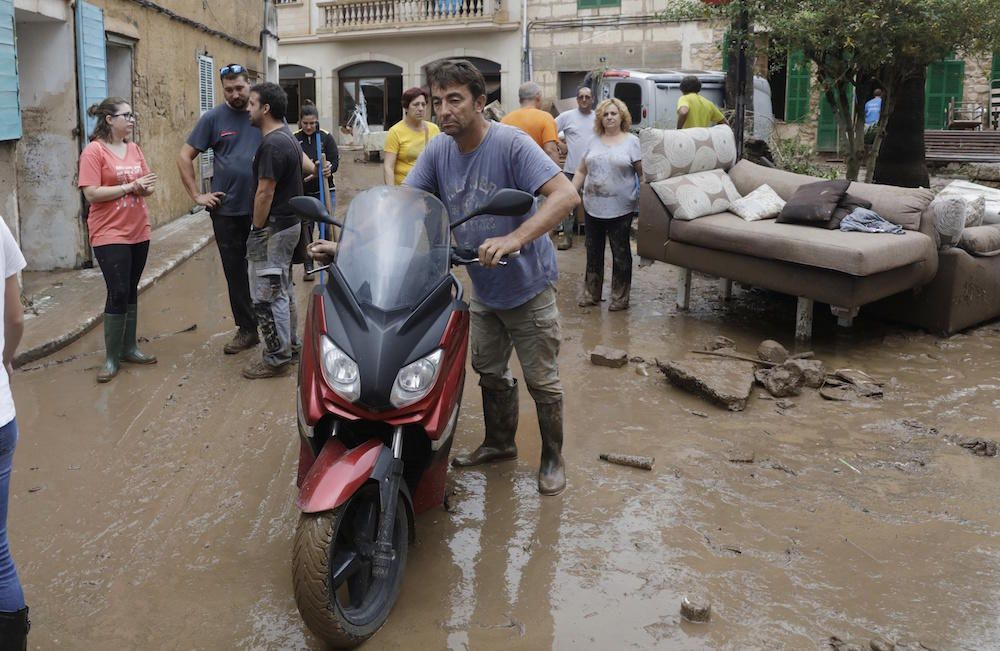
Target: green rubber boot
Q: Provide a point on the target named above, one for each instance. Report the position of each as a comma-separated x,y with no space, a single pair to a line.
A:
130,351
114,340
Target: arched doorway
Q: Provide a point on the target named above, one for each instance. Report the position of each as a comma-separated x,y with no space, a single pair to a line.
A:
490,71
380,84
299,83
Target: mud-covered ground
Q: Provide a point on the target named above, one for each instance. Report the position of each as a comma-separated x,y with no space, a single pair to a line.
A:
157,512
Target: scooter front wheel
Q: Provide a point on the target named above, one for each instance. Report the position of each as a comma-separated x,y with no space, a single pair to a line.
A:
339,598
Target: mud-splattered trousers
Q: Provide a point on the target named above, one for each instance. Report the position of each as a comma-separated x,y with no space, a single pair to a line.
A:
533,330
269,264
616,232
11,594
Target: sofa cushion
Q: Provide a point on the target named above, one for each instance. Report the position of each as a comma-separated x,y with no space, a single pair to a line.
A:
813,202
762,203
981,240
747,177
694,195
902,206
856,254
672,152
975,210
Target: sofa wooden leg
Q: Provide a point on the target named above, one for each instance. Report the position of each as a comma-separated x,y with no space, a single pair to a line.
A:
845,315
726,288
684,290
804,319
645,262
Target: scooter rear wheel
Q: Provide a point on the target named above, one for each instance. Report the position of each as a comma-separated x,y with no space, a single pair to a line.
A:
337,595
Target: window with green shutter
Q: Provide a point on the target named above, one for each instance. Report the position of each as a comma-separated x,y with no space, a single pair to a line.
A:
10,103
797,87
945,82
595,4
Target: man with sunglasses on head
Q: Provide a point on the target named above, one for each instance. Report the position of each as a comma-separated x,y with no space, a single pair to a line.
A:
227,131
576,128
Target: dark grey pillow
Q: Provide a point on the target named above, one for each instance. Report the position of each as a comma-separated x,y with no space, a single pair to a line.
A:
813,202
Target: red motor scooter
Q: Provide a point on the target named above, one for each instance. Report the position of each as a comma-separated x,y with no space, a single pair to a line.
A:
379,390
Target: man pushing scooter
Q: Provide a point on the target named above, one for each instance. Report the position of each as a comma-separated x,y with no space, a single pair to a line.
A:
513,308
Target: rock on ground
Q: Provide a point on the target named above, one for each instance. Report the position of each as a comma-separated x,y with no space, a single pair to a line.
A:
695,609
721,343
610,357
812,370
781,381
724,382
771,351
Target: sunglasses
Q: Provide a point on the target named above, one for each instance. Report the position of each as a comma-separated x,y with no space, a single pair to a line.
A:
232,69
129,117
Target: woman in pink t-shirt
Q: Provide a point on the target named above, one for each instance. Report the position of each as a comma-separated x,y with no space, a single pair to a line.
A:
114,178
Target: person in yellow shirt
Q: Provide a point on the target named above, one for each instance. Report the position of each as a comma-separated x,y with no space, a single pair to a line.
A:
407,138
535,122
693,110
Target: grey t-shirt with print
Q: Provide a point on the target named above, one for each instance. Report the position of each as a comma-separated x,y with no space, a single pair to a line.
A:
612,186
234,141
578,130
506,158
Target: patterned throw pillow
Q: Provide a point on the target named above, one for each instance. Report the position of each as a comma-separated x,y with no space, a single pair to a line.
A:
762,203
695,195
672,152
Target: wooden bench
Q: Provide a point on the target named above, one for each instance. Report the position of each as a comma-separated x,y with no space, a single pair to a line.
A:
962,146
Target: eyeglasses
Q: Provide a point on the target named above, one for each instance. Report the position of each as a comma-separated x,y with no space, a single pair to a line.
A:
129,117
232,69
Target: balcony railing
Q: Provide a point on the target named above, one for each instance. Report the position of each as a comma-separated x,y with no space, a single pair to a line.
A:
375,14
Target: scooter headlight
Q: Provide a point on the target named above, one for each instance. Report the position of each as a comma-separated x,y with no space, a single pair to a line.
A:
415,380
339,370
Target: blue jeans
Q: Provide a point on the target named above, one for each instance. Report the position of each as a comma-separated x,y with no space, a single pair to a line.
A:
11,594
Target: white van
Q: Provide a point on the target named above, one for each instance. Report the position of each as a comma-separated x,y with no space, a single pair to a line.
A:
651,96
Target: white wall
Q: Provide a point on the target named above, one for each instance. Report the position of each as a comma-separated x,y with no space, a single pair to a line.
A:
410,54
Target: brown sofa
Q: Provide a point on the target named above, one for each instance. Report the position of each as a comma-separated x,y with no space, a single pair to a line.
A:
903,274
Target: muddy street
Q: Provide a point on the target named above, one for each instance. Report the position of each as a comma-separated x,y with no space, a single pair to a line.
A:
157,511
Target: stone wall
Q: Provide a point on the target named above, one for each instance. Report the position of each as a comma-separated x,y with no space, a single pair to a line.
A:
165,93
652,45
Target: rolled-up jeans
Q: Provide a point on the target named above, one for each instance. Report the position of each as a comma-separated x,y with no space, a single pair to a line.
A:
269,267
11,594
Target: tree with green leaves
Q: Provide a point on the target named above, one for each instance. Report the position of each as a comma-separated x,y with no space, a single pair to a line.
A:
859,45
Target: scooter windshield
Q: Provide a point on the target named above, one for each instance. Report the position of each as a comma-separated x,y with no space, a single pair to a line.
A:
394,247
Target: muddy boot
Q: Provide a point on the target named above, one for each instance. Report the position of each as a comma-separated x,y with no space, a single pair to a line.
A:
620,290
500,416
242,340
566,240
14,629
551,471
592,285
130,350
114,339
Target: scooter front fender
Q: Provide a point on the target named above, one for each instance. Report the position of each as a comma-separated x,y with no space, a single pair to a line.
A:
337,474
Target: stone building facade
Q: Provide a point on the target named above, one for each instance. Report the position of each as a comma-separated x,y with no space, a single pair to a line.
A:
62,56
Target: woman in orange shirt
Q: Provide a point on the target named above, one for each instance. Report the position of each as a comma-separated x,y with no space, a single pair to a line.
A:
114,178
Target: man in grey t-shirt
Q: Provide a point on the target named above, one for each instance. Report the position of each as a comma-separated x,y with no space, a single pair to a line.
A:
513,306
576,128
227,131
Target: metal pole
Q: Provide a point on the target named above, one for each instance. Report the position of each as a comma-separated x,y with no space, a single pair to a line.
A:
743,37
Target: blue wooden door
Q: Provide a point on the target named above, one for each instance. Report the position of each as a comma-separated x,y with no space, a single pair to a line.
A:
91,60
10,103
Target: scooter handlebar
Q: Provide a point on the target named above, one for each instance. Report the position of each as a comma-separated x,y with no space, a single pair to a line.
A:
464,256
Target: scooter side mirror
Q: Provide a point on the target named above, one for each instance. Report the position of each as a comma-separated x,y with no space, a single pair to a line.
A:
507,202
310,208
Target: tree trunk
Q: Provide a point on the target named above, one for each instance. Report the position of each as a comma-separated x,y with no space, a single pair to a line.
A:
901,155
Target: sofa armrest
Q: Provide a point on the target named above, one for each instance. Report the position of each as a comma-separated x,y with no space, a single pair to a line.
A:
653,226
